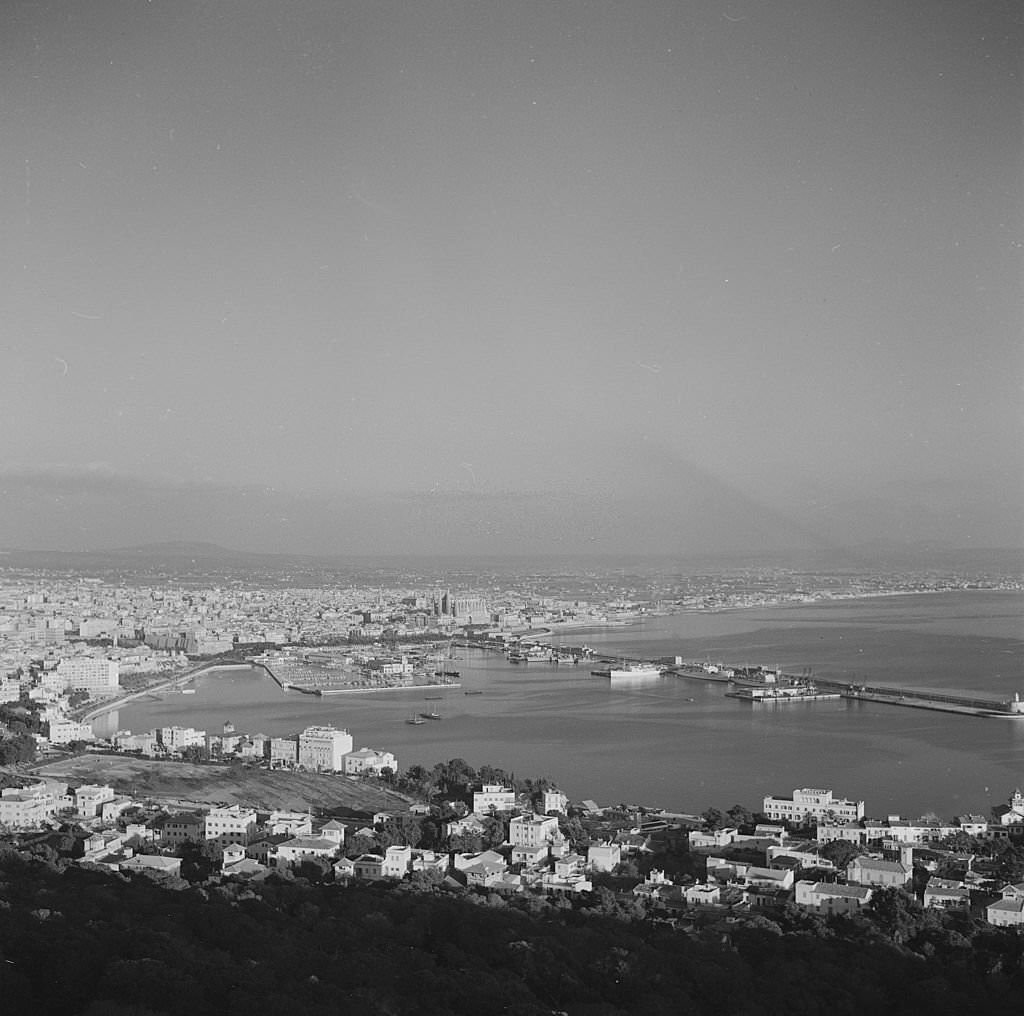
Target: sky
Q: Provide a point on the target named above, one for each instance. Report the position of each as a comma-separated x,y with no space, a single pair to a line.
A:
345,277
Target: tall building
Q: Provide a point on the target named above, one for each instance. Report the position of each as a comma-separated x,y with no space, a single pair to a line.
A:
324,748
86,673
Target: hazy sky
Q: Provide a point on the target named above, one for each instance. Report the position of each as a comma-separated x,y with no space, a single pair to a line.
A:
298,276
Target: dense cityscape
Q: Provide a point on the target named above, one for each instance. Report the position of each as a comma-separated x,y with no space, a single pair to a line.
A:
218,808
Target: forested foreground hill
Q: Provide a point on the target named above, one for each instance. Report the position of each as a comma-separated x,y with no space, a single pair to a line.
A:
84,941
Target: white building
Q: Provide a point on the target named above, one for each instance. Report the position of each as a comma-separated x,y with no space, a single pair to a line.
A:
809,805
946,894
875,872
89,800
293,852
604,856
493,797
1013,813
334,830
397,861
231,825
369,760
125,740
532,830
324,748
530,856
284,751
712,838
705,894
553,800
27,808
154,863
1007,912
88,674
293,823
176,739
66,731
831,897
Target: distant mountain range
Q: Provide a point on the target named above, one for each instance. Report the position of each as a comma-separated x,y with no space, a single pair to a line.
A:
652,507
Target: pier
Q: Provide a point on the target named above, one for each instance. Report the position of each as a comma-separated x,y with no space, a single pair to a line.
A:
917,699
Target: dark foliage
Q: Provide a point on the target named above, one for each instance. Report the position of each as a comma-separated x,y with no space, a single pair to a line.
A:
20,748
87,941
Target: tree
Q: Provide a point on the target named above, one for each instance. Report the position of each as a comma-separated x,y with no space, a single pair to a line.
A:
741,816
626,869
358,844
959,843
574,831
315,869
456,773
896,912
713,819
495,831
417,780
426,878
21,748
840,852
466,843
198,859
491,774
400,829
1010,862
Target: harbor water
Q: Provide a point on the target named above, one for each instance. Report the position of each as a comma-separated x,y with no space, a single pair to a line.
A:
680,743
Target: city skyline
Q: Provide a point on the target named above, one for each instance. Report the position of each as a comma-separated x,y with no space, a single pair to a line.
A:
449,277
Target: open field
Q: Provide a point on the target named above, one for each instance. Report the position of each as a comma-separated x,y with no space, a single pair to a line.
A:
181,783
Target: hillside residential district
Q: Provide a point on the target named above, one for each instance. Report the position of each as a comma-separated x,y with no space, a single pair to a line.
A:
70,647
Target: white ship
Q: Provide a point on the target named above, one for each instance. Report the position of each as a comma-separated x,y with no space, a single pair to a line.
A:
629,671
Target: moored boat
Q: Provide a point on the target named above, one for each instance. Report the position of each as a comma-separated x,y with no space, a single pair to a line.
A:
634,670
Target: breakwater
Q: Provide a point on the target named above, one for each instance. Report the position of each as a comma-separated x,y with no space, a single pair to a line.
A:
916,699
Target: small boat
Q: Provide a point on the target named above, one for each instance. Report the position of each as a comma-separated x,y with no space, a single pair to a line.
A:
473,691
451,673
433,698
432,715
416,720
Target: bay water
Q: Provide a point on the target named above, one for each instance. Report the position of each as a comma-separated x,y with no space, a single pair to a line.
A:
679,743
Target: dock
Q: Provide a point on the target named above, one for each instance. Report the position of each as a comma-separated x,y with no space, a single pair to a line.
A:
915,698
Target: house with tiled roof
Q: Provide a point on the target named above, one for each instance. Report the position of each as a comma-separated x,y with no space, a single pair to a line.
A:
874,872
946,894
1007,912
831,897
156,863
294,851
